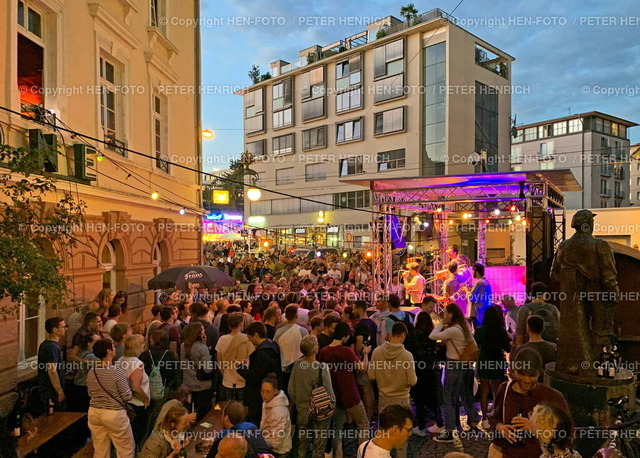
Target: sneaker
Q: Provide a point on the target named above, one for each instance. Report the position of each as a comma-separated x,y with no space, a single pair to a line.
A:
485,424
435,429
419,432
445,436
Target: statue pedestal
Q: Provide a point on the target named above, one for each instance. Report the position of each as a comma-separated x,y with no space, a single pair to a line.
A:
587,399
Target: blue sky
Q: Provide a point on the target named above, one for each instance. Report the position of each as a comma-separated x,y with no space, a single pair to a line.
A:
573,55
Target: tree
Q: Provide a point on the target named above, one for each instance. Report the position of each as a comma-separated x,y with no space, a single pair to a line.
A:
265,76
409,12
36,235
234,180
254,74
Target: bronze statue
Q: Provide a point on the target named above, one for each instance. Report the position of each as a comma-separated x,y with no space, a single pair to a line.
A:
585,270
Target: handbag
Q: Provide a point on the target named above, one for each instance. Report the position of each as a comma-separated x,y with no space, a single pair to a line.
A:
321,406
131,413
470,351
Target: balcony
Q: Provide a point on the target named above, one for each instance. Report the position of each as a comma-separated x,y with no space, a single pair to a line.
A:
491,61
605,193
431,15
37,113
619,195
115,145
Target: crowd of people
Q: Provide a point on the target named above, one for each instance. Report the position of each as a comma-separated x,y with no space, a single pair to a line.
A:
302,355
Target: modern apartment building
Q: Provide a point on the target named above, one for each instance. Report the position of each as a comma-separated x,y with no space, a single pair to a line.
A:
594,146
116,70
395,100
634,166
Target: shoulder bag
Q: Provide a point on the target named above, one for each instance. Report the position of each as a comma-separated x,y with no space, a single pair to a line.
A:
131,413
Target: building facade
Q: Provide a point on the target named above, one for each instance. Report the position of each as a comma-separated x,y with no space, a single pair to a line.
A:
117,71
634,167
394,100
594,146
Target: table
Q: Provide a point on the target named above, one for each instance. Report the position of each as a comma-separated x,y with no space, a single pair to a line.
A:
214,417
48,426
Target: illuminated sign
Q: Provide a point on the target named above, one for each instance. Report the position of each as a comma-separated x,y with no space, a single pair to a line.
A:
223,217
301,230
220,196
333,229
256,221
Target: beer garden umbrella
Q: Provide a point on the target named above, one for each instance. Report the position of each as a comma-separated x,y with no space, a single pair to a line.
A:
181,277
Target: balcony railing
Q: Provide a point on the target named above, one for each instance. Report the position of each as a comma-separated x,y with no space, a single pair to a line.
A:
605,193
619,195
38,113
115,145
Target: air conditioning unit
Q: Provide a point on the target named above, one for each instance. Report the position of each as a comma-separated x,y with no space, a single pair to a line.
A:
84,157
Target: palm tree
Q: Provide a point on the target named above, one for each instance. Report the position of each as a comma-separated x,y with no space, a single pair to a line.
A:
235,179
409,12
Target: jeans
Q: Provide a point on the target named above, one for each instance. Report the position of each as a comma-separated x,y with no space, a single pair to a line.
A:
457,386
359,415
203,401
311,430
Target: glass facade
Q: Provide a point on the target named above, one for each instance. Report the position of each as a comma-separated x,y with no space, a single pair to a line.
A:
434,128
487,126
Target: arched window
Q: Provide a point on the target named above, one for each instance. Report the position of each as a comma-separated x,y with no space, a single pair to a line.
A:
108,262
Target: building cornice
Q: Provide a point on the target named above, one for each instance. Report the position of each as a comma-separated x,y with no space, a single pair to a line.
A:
99,13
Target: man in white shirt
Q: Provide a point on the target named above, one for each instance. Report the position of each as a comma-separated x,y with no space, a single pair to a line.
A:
394,428
335,273
396,287
415,286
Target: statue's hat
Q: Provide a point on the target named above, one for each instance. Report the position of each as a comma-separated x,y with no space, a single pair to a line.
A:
582,217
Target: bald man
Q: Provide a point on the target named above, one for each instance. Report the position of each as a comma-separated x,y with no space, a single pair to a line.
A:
232,446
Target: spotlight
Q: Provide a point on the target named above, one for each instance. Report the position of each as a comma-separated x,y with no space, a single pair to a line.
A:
524,222
513,208
450,222
368,254
155,195
345,254
518,218
510,221
496,212
426,224
439,209
486,221
410,247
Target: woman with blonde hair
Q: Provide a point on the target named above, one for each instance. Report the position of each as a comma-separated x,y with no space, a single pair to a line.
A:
104,300
165,441
554,430
133,368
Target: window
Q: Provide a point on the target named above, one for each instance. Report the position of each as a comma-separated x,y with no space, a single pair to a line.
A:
351,166
434,101
559,128
157,15
257,149
546,151
29,18
108,263
312,92
312,109
605,166
603,188
160,132
623,131
315,172
388,88
260,207
283,144
389,59
282,118
314,138
516,154
285,206
486,127
30,60
349,100
638,181
545,131
349,131
598,125
389,121
253,111
30,329
617,189
324,203
519,138
547,165
390,160
530,134
353,199
575,125
638,196
281,100
603,204
110,104
614,129
606,127
348,73
284,176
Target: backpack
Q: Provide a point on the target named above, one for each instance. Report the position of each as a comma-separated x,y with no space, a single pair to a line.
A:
411,342
320,404
550,332
156,385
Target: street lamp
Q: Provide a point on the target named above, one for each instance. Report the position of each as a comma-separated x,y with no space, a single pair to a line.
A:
208,134
254,194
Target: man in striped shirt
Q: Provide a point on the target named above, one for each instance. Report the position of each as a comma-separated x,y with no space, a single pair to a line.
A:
109,390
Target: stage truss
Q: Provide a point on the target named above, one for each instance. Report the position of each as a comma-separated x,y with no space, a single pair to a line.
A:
538,194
